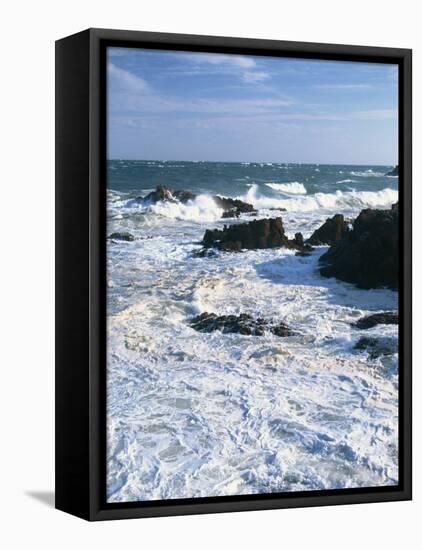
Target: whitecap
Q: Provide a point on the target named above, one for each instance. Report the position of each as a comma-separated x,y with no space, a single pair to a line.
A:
202,209
367,174
327,201
293,188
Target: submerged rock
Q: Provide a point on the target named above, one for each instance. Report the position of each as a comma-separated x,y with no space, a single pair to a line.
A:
122,236
394,171
385,318
205,253
239,324
368,255
265,233
376,347
332,230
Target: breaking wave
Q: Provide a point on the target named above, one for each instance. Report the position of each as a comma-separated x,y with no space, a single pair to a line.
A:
293,188
327,201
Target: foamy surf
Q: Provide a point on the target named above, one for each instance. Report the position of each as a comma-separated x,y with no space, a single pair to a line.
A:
202,209
292,188
326,201
191,414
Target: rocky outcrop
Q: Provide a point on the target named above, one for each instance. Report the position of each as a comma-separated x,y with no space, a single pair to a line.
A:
240,324
394,171
384,318
368,255
232,208
162,193
265,233
376,347
331,231
122,236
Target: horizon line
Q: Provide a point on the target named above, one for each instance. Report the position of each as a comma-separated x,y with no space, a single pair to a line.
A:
120,159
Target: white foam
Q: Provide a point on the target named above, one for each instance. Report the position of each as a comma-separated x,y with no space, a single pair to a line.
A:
194,415
326,201
202,209
368,174
293,188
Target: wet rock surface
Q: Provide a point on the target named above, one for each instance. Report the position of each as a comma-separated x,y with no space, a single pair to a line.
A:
122,236
368,255
385,318
233,207
239,324
393,172
376,347
331,231
257,234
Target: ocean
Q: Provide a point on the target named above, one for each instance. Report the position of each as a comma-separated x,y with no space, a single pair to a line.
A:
191,414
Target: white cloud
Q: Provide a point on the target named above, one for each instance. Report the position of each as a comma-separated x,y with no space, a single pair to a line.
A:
255,76
150,103
125,80
230,64
240,61
343,86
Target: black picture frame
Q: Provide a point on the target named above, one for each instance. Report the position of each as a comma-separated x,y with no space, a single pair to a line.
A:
80,273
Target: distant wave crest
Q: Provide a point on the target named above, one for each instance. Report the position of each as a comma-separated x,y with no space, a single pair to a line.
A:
327,201
368,174
293,188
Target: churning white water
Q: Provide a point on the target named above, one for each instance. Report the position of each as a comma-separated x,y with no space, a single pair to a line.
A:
193,414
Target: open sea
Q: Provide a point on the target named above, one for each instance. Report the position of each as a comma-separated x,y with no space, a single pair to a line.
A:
197,415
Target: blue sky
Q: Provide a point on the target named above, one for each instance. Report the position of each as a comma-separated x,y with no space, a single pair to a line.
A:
165,105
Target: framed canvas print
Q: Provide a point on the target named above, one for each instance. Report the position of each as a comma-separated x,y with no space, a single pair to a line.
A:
233,274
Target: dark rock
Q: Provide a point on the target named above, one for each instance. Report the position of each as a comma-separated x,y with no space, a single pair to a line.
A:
385,318
162,193
205,253
331,231
278,209
165,194
230,214
376,347
122,236
231,207
239,324
394,171
184,196
265,233
368,255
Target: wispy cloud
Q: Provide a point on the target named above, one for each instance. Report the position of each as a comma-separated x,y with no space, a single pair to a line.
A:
131,93
255,76
343,86
239,61
245,68
121,79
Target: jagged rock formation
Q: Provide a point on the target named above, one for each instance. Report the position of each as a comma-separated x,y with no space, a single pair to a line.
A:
368,255
332,230
265,233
